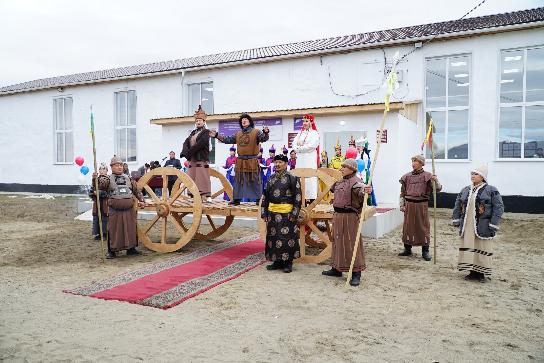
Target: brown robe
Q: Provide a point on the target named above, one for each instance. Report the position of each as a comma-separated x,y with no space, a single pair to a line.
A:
199,170
122,228
348,199
416,189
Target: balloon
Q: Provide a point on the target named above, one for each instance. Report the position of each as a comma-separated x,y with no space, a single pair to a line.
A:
186,164
351,153
79,160
84,170
360,165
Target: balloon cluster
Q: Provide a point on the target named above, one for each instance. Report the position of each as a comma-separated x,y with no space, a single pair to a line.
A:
83,168
351,153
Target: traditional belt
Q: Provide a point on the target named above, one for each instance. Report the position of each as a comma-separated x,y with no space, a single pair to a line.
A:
417,201
344,210
199,166
280,207
247,157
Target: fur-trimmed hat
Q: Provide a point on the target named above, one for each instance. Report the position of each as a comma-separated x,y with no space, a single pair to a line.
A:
200,113
308,116
419,158
350,164
482,170
281,157
272,149
116,160
284,150
232,148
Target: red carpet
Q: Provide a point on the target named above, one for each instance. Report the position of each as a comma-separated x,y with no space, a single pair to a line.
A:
168,283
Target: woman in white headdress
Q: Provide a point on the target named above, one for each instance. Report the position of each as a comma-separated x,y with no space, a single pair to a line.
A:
306,145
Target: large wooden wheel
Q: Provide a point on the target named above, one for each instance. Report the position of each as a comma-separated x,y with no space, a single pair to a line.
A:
213,229
168,208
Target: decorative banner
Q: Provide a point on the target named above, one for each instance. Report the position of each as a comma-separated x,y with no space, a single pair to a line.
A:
290,137
384,136
229,128
297,123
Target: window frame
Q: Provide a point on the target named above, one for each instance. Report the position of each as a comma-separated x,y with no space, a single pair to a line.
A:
523,104
63,132
117,127
447,108
190,111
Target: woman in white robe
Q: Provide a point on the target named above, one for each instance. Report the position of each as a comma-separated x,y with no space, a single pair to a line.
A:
306,145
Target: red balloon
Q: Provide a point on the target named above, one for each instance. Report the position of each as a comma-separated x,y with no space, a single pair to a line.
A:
79,160
186,163
351,153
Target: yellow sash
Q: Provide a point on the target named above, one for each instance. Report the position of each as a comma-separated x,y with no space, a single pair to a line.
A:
280,208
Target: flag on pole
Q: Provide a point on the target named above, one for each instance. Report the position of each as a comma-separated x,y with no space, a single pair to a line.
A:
429,135
92,123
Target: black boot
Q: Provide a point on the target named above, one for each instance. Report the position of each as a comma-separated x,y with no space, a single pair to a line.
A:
332,272
234,202
355,278
133,252
110,255
481,277
288,266
407,250
472,276
276,265
425,253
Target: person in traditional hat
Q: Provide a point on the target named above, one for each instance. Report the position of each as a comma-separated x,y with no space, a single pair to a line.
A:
349,194
324,162
103,196
351,142
284,151
416,189
247,176
477,212
306,145
269,162
229,166
122,230
280,207
292,160
338,159
196,149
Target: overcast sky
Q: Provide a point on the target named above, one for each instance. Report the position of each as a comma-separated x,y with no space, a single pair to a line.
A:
45,38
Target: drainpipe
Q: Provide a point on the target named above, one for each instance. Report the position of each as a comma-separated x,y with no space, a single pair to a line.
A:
182,91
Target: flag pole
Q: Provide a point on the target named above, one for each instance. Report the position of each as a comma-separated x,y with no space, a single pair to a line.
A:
391,79
96,190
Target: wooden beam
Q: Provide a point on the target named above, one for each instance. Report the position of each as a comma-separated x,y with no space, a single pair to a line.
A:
316,111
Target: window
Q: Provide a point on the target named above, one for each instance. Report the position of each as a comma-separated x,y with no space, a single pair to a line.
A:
201,94
125,125
521,113
62,120
447,98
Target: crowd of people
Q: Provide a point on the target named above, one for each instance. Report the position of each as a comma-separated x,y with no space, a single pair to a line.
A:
477,213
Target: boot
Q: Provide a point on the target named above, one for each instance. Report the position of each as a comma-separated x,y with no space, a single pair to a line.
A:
110,255
133,252
425,253
332,272
355,278
288,267
235,202
481,277
407,250
472,276
276,265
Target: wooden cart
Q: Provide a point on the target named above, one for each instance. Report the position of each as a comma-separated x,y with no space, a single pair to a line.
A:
177,217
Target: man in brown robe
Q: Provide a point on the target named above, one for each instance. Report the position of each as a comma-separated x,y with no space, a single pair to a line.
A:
122,229
348,201
416,189
196,149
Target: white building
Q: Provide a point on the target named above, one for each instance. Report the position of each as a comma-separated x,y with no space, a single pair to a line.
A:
482,78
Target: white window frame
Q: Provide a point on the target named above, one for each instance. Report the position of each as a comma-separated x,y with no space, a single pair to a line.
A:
446,109
117,127
188,98
67,161
523,104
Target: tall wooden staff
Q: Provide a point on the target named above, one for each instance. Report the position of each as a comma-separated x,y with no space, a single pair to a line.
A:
391,79
96,190
430,139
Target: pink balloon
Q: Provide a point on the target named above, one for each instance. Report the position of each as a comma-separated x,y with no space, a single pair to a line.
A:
79,160
351,153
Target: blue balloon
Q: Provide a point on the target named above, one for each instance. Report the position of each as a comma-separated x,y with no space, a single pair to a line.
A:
84,170
360,165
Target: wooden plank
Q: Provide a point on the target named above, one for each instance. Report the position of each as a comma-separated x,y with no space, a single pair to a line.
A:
316,111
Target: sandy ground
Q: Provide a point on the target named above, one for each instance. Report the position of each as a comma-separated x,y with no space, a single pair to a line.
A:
407,310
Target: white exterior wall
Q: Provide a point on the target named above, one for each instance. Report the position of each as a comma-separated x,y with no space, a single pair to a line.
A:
26,119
